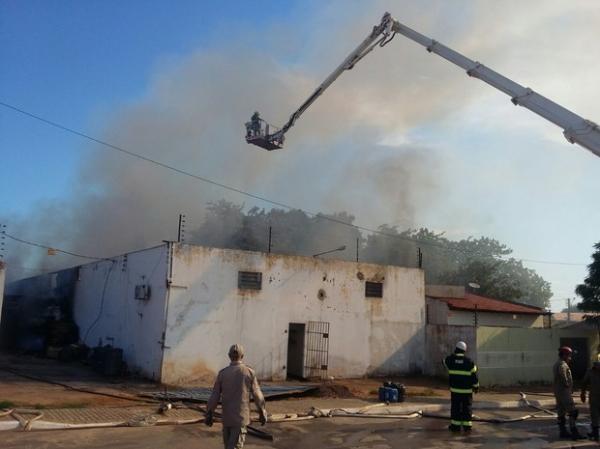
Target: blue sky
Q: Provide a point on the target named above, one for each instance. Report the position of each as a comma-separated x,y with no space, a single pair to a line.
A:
76,62
184,75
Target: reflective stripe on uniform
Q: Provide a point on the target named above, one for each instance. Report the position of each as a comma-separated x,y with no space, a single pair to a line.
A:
474,370
467,423
461,390
455,423
459,372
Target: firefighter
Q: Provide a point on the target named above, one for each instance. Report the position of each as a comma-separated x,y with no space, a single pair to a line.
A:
591,381
462,374
234,387
255,123
563,392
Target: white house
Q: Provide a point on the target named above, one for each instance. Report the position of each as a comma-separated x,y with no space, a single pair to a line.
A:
174,310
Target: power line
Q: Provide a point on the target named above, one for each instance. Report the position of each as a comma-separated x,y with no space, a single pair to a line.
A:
51,248
548,262
246,193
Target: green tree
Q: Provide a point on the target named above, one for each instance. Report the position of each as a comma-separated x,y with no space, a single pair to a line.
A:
589,291
458,262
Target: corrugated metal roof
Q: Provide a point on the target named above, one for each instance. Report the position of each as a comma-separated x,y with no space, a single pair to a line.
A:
478,303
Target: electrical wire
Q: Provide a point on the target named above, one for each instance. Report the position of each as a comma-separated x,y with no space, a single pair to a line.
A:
51,248
249,194
102,298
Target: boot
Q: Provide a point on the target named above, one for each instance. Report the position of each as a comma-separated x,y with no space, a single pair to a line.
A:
454,428
564,433
594,434
575,435
562,426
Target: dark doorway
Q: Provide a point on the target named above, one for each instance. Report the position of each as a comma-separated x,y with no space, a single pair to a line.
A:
579,364
295,357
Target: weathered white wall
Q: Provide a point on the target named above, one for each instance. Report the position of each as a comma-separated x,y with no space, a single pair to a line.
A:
207,313
105,308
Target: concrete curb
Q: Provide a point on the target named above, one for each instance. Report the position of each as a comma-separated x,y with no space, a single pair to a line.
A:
413,407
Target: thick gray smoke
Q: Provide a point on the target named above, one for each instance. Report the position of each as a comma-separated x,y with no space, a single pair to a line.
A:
339,157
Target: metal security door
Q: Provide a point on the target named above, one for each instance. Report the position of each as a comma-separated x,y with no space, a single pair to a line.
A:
317,349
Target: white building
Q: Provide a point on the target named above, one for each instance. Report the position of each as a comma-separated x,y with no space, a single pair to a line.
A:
174,310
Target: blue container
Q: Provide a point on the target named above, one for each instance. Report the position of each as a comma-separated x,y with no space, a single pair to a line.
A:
388,394
392,395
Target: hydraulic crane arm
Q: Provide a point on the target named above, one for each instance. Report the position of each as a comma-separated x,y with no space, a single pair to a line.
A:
575,128
378,36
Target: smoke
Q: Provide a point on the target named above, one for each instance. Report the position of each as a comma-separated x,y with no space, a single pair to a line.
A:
338,157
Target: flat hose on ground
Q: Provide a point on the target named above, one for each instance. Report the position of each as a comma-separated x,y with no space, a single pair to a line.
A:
17,414
361,413
251,429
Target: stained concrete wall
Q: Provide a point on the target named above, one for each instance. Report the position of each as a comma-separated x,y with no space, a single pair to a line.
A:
441,341
466,318
207,313
106,309
511,356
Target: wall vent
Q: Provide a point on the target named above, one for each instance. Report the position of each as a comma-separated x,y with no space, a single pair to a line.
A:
374,289
142,292
249,280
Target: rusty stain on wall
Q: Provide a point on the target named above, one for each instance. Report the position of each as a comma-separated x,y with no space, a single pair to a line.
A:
196,373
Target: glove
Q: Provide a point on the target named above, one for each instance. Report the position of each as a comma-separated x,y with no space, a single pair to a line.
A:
208,420
582,397
263,419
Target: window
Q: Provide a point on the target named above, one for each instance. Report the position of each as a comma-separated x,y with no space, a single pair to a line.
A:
374,289
249,280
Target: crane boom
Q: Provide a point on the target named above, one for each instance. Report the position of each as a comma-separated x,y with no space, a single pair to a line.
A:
576,129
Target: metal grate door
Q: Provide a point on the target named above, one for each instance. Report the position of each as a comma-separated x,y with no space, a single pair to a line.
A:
317,349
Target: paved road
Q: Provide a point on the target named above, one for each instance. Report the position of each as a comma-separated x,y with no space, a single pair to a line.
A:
336,433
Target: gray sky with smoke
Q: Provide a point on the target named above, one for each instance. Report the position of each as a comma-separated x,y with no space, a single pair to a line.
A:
405,138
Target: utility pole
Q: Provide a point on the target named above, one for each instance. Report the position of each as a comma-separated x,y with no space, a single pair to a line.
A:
181,230
2,241
568,310
270,233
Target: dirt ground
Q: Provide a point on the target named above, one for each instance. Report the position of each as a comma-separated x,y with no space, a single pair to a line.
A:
31,392
19,391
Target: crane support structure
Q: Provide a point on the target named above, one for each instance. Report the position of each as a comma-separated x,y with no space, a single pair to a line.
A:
576,129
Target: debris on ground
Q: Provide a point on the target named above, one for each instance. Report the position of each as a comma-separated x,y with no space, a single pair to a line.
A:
201,394
334,391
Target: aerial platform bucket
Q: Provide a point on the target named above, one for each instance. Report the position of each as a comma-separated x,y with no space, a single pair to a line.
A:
261,134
